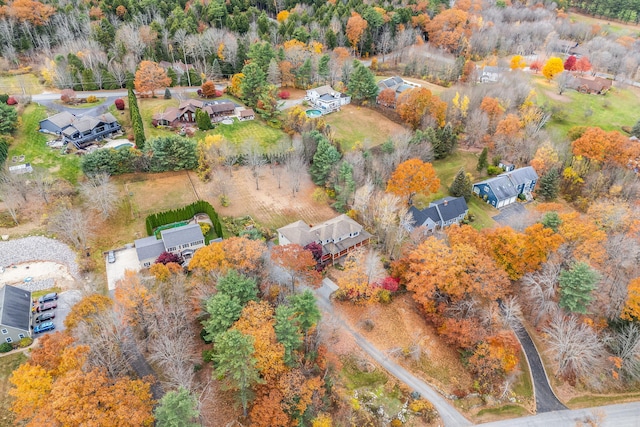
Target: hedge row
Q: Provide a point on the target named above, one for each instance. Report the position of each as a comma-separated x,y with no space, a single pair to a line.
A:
162,218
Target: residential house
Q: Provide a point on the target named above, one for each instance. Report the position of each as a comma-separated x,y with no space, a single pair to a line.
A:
81,131
593,85
186,112
183,241
490,74
440,214
397,84
327,99
338,236
220,110
15,314
505,188
247,114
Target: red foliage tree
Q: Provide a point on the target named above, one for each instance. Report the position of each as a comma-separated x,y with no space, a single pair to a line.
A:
536,66
284,94
167,257
390,284
583,65
11,101
315,249
570,63
119,103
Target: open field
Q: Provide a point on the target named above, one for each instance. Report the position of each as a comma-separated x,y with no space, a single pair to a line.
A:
239,132
33,145
617,108
606,25
14,84
353,125
7,365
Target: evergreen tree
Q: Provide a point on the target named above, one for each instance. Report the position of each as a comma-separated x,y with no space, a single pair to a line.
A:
323,68
171,73
635,131
445,142
263,25
482,160
267,106
216,70
576,286
203,120
550,185
331,39
238,286
235,364
273,74
551,220
345,187
136,120
461,186
303,75
323,160
252,84
223,312
287,332
178,408
8,118
172,153
261,54
306,309
362,83
167,93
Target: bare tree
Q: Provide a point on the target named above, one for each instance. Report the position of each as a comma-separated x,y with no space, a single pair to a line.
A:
105,335
100,193
295,167
255,159
9,195
540,290
230,155
624,342
73,225
43,182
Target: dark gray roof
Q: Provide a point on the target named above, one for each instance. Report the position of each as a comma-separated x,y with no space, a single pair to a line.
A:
15,307
420,216
149,247
522,175
181,235
501,186
451,207
61,120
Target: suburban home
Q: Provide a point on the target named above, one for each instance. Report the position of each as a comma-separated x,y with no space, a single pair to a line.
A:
490,74
183,241
186,112
397,84
247,114
220,110
338,236
505,188
15,314
81,131
440,214
327,99
593,85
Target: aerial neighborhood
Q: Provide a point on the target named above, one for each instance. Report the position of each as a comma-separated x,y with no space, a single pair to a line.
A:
319,214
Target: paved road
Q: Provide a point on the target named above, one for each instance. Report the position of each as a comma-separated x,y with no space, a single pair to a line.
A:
140,365
623,415
546,400
108,93
449,415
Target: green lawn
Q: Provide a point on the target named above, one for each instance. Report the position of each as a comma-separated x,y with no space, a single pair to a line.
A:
595,400
7,365
33,145
84,105
523,387
505,411
619,107
606,25
239,132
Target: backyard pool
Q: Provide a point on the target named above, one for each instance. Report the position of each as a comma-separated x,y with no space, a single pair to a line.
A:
313,113
125,145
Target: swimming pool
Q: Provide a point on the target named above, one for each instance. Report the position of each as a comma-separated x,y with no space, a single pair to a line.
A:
313,113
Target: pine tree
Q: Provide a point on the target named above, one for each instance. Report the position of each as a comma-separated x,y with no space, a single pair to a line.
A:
178,408
287,332
461,185
576,286
345,186
635,131
323,160
171,73
445,142
482,160
549,185
167,94
252,84
323,68
216,70
273,73
362,83
551,220
203,120
303,75
307,310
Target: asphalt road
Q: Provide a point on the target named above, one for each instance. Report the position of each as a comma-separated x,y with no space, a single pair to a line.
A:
449,415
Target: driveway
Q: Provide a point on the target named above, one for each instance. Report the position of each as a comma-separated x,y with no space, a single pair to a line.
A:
65,301
126,259
514,215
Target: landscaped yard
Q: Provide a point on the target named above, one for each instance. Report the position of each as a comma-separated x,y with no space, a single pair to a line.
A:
33,145
353,125
7,365
619,107
239,132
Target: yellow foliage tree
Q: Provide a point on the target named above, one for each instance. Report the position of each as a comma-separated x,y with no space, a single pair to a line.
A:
239,253
87,309
282,16
552,67
517,62
631,310
31,386
412,177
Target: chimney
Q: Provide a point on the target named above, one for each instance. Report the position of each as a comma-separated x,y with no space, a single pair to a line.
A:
446,202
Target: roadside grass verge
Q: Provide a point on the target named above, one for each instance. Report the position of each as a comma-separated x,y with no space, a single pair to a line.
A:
502,412
589,400
28,141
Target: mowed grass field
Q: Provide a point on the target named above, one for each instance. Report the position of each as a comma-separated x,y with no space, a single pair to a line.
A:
619,107
28,141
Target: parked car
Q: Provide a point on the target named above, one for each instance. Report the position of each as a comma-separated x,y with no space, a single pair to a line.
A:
111,257
48,297
43,327
46,306
45,317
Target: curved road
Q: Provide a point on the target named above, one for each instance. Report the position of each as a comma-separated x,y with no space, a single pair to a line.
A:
449,415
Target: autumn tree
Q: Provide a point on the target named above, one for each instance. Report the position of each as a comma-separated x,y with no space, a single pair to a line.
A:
134,301
517,62
387,98
536,66
362,269
552,67
150,77
413,104
412,177
30,11
298,262
235,364
355,29
570,63
602,146
576,286
631,310
239,253
450,30
208,89
87,309
583,65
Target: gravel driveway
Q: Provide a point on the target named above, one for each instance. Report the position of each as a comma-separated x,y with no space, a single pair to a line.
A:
38,248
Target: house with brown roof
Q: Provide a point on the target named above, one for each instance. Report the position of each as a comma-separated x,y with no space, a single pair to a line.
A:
338,236
247,114
220,110
593,85
186,112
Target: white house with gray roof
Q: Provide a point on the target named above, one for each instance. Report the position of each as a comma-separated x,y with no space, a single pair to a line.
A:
338,236
327,99
183,241
15,314
505,188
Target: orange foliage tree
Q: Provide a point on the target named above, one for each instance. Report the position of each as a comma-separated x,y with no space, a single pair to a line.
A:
149,77
412,105
355,29
605,147
631,310
208,89
387,98
87,309
31,11
412,177
584,239
449,30
494,110
298,262
238,253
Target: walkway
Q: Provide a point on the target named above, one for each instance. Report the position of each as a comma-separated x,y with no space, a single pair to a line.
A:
449,415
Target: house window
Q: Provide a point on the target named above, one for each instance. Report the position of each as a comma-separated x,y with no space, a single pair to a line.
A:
9,340
5,332
20,336
147,264
171,249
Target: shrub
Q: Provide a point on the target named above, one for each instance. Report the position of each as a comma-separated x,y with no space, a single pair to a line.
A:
5,347
3,98
205,227
218,93
494,170
390,284
91,99
284,94
12,101
25,342
119,103
320,195
384,296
